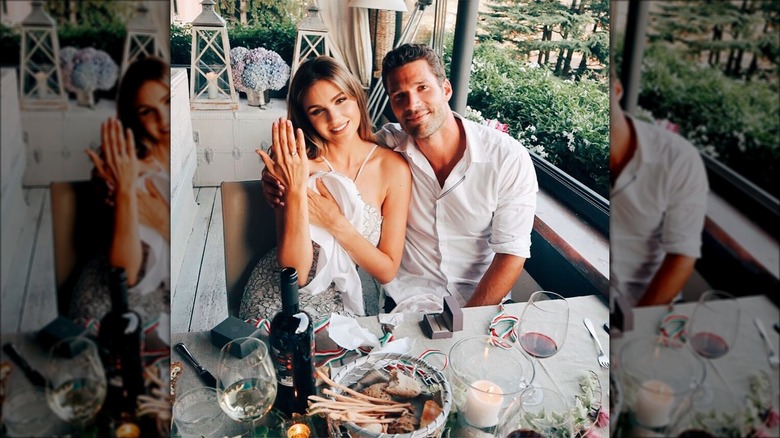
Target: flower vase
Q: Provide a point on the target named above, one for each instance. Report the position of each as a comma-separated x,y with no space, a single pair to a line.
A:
85,98
258,98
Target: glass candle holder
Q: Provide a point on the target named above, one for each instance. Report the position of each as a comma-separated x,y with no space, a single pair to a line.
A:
549,417
486,374
659,377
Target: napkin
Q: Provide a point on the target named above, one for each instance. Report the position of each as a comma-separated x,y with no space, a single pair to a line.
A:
393,319
346,332
400,346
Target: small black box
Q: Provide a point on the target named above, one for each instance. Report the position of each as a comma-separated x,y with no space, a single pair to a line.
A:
230,329
434,326
453,314
58,330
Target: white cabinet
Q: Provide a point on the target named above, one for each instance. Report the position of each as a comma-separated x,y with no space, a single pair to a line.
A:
226,141
56,141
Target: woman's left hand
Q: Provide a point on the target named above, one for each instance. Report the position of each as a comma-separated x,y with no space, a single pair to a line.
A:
324,212
154,211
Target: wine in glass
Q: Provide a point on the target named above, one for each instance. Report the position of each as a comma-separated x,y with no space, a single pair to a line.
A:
76,381
543,324
246,386
712,330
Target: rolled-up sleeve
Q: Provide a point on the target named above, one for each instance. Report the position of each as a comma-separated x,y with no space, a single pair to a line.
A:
513,219
684,218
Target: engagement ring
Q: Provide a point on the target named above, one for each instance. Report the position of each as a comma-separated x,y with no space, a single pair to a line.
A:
293,152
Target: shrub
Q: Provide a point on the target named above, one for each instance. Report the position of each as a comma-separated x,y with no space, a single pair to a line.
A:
564,121
730,119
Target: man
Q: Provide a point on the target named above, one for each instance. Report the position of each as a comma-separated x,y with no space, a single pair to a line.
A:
658,200
473,197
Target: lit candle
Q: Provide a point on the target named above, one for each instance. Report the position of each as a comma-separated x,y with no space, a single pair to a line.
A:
212,86
40,78
298,430
654,404
483,401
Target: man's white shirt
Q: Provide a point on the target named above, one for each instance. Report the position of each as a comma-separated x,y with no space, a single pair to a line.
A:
657,207
486,206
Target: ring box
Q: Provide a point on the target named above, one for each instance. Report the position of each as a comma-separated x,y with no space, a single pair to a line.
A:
231,329
60,328
442,325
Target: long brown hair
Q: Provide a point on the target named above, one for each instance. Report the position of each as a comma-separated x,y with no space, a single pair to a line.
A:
137,74
311,71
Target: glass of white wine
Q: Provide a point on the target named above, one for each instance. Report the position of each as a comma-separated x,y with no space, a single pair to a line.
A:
246,386
75,382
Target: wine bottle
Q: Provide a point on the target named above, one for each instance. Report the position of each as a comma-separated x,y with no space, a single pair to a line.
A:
292,349
121,334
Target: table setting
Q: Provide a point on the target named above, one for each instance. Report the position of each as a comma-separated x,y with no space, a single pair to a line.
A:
704,368
485,371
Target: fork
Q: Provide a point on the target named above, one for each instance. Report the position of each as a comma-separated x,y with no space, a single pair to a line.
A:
602,358
774,361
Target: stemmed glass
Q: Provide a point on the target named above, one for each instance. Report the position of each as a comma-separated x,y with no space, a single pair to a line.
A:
246,386
524,419
543,324
712,330
76,381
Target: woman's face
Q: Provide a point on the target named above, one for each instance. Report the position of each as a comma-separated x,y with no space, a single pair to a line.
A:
153,109
333,114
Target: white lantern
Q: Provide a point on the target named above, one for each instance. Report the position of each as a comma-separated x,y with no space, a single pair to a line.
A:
40,77
141,39
211,80
312,40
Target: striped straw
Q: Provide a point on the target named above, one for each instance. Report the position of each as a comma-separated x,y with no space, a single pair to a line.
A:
432,352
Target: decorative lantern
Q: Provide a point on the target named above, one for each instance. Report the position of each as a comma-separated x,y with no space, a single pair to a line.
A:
141,40
211,80
312,40
40,84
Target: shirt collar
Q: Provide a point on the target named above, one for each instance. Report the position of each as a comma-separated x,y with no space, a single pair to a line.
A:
644,139
475,150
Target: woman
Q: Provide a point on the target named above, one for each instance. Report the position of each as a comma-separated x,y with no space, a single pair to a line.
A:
333,151
133,172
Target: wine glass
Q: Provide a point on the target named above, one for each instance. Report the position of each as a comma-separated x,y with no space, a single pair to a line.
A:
523,419
712,330
246,386
543,324
76,381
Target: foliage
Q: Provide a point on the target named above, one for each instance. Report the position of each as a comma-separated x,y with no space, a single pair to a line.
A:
727,33
732,120
564,121
278,37
90,13
259,13
531,27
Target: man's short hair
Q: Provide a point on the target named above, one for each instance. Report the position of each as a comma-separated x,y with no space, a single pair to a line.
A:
407,53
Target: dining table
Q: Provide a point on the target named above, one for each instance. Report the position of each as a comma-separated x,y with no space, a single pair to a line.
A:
563,372
730,374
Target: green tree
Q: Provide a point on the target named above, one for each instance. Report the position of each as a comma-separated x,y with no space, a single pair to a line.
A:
549,26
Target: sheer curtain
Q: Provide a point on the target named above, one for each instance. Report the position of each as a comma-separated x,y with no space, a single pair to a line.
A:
349,33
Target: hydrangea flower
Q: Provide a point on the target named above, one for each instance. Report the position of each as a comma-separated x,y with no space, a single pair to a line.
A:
258,69
237,65
92,70
66,66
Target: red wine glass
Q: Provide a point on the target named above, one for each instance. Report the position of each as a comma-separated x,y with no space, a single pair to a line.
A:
543,324
712,330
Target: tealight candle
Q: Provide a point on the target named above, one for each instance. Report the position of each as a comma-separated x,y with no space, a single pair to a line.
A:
40,78
654,404
483,402
212,86
298,430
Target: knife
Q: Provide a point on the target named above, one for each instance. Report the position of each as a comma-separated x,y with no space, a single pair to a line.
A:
203,373
606,327
32,374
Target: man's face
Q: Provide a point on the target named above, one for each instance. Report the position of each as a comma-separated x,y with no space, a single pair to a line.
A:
418,101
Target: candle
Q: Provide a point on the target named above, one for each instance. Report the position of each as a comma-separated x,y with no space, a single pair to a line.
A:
298,430
40,78
483,401
212,86
654,404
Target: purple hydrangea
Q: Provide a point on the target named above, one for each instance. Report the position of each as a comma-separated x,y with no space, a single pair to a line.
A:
237,65
93,70
259,70
66,66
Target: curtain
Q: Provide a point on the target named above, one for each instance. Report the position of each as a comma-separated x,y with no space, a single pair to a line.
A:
349,34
